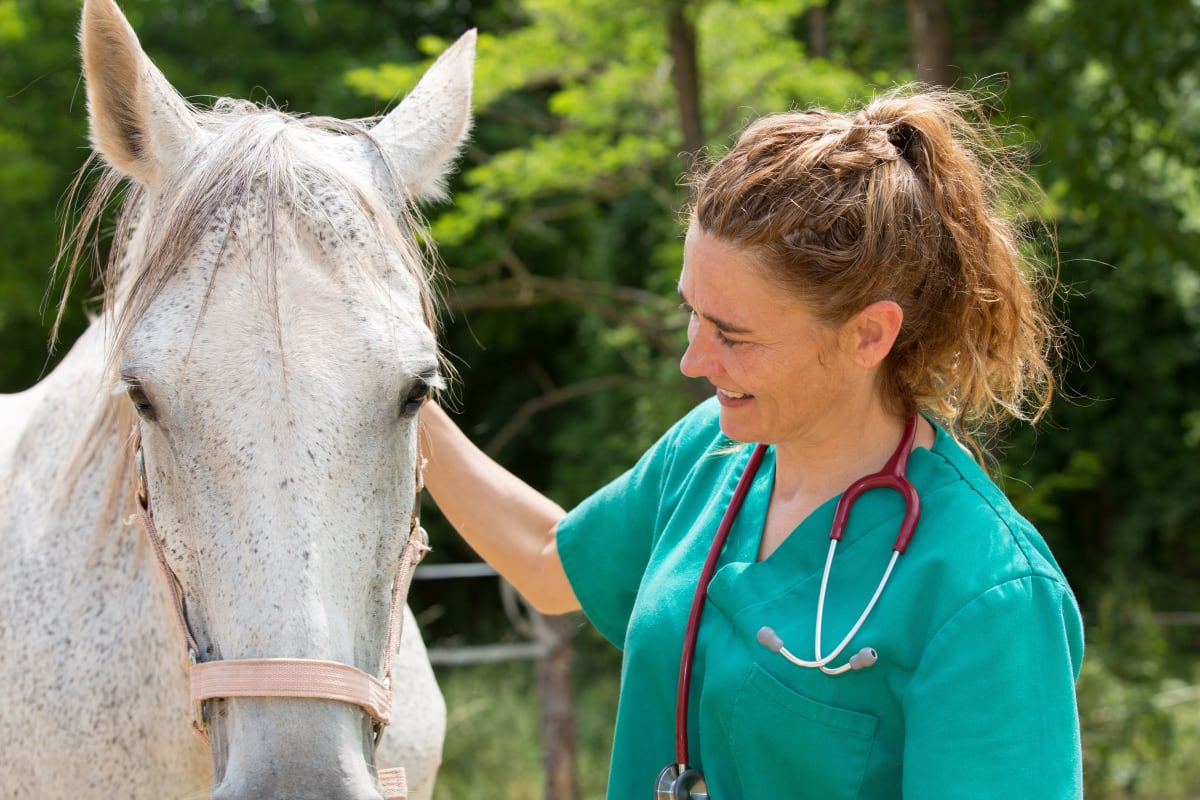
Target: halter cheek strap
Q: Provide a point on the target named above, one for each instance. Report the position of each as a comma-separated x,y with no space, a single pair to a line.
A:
292,677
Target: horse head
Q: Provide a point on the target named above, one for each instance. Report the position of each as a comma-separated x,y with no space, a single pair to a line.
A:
271,323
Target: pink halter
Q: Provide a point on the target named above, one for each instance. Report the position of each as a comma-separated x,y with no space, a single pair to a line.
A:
292,677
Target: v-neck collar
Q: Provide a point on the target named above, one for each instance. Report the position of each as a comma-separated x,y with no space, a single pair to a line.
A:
801,555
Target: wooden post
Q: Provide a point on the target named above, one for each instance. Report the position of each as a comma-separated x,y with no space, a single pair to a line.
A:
557,705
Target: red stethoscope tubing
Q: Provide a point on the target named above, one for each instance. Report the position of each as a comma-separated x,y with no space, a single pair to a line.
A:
892,476
693,625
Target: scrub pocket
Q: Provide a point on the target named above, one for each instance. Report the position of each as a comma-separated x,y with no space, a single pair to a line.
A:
786,745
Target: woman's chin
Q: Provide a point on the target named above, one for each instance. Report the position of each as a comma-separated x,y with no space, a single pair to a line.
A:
737,428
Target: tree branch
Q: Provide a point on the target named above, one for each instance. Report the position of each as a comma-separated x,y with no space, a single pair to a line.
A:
557,396
653,316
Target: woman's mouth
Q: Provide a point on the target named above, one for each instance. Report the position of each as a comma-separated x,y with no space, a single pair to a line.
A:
726,395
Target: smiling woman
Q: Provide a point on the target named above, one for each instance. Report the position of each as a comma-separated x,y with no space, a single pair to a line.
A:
857,295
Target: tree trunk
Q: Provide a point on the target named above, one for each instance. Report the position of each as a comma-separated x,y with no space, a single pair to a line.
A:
685,75
930,40
818,28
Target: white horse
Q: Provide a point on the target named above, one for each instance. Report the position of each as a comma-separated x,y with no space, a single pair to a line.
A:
267,328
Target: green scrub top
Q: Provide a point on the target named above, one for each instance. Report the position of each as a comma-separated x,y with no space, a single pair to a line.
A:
978,634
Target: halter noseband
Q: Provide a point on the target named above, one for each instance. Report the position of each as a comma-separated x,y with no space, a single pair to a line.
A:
292,677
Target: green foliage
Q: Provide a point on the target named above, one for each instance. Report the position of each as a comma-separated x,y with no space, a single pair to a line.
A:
12,26
1138,706
39,144
1109,94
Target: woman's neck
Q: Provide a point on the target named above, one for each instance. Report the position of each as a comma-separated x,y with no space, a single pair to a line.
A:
851,442
810,470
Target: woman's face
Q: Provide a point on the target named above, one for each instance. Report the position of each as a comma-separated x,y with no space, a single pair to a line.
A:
781,376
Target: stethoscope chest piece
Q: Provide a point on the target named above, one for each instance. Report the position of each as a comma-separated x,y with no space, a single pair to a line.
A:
675,783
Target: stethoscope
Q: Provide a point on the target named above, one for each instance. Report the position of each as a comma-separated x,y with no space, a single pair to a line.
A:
678,781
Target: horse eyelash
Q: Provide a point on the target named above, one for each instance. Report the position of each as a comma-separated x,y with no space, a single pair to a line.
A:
124,383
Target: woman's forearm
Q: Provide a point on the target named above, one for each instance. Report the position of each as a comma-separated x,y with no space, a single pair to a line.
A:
505,520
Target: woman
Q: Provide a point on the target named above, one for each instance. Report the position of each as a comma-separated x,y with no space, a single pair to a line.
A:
845,274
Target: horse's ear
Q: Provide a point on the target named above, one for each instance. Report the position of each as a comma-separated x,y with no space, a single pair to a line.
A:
139,123
422,135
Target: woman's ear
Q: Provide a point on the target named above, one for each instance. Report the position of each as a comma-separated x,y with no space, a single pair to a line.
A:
873,331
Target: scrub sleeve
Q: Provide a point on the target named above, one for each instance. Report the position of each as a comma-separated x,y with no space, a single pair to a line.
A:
979,636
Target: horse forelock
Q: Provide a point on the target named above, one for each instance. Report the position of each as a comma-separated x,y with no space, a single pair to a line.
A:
252,151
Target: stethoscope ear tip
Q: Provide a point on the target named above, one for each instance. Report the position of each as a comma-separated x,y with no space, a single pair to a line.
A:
769,639
864,658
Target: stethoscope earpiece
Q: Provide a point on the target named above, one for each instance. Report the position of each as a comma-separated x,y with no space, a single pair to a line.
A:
769,639
864,658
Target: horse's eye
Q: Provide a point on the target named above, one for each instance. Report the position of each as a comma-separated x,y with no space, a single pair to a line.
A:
418,393
141,402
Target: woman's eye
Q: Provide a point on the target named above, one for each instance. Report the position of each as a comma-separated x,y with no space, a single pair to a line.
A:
417,394
141,402
725,340
721,337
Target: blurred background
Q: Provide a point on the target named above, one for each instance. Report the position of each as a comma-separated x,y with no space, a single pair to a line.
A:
561,250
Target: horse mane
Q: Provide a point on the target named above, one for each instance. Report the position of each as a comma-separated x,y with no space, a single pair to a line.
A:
254,152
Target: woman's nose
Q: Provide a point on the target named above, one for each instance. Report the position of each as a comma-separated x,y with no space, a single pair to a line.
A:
696,361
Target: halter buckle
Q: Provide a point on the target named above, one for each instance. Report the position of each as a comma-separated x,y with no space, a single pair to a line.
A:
198,720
